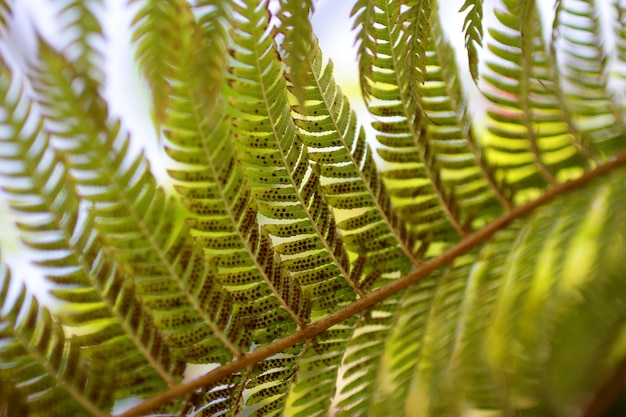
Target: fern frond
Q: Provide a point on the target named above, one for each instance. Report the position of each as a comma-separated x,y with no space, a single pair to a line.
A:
527,126
5,13
363,14
44,371
450,136
423,202
562,287
137,221
155,30
298,42
214,189
319,364
473,30
461,367
436,346
213,17
162,29
51,221
369,300
459,272
85,34
415,20
336,145
370,230
583,62
619,26
286,190
364,356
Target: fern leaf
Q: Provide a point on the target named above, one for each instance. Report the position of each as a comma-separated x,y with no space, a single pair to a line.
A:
50,219
84,32
450,135
268,383
619,26
362,359
434,340
473,30
213,17
43,369
216,186
317,368
156,27
329,130
527,125
441,337
583,62
363,14
162,28
286,190
427,207
404,343
377,238
312,283
564,289
296,46
171,276
5,13
415,20
481,291
224,218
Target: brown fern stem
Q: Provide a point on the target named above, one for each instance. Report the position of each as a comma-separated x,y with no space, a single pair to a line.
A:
606,395
369,300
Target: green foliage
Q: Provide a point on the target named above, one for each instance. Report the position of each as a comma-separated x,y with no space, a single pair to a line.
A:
434,270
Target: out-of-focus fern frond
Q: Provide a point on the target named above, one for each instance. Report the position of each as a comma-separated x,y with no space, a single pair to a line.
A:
44,372
163,28
136,220
213,16
415,19
363,14
473,29
156,29
527,125
619,24
52,222
560,286
298,42
5,13
582,58
435,334
85,37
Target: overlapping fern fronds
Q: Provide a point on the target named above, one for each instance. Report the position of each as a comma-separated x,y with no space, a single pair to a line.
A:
42,194
43,373
434,270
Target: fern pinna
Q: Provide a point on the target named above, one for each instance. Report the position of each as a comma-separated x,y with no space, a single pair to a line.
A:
437,268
